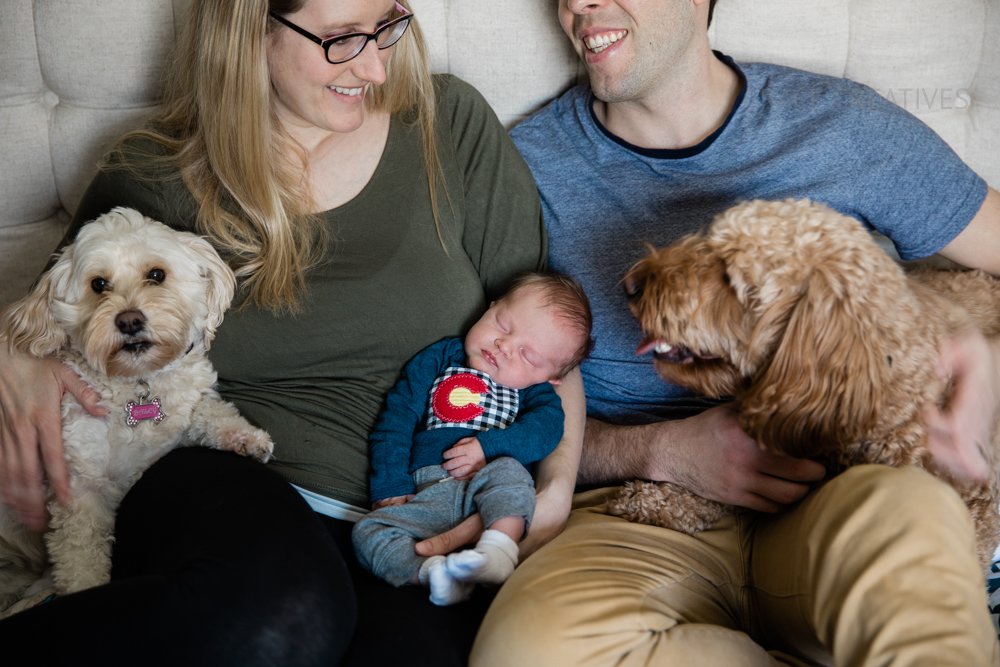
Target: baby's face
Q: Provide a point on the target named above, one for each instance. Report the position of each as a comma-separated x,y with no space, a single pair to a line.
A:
520,341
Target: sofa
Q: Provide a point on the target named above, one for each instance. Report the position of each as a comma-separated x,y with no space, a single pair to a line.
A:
75,73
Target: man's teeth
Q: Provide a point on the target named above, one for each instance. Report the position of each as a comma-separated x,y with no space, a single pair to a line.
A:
347,91
662,348
598,43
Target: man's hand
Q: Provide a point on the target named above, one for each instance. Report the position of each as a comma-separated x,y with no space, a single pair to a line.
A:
394,500
31,431
708,454
464,459
719,461
960,435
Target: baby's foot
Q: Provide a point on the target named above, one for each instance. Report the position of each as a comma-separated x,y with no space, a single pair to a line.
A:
445,589
491,562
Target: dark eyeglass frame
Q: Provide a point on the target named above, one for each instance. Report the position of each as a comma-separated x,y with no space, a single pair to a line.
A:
369,36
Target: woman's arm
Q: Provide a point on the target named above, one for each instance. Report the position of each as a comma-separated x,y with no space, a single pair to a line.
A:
555,477
536,430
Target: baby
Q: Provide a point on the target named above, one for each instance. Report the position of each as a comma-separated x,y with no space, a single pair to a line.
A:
458,429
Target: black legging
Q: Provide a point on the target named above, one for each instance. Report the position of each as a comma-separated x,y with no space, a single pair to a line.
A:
217,561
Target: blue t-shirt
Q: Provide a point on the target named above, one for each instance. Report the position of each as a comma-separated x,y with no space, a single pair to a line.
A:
790,134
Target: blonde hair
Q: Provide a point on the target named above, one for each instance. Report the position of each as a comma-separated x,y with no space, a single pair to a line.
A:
218,127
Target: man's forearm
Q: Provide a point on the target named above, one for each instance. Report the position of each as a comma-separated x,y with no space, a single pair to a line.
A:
613,453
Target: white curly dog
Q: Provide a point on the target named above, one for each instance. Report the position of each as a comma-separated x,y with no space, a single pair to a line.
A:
132,306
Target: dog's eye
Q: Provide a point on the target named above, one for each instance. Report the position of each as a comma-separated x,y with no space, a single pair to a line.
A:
99,285
156,275
633,289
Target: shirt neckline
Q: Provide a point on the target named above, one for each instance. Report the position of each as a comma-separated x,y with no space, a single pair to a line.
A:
677,153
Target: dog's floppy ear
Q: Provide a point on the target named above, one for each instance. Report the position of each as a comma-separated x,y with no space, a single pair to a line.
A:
28,324
821,389
220,281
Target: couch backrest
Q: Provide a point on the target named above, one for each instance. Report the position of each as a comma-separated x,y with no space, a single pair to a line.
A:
75,73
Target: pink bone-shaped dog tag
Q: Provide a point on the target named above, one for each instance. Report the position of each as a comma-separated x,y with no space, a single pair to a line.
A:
137,412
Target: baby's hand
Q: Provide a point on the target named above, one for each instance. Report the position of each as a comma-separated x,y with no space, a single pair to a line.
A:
395,500
464,459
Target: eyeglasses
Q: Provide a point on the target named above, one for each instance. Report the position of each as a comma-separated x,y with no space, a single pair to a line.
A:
342,48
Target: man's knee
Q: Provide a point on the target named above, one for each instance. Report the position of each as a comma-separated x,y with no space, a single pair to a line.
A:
522,627
893,497
603,590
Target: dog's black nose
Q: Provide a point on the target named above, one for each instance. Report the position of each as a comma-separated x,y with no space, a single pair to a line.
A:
130,322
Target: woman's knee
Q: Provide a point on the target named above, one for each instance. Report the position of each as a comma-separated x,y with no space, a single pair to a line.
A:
240,560
308,620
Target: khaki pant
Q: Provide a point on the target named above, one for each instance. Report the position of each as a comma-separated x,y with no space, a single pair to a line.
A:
877,567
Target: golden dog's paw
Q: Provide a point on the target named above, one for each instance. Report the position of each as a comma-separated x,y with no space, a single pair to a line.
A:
247,441
666,505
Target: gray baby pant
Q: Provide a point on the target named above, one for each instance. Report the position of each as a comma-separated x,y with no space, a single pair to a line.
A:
384,538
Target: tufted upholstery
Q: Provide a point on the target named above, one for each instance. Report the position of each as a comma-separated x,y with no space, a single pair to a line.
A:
74,73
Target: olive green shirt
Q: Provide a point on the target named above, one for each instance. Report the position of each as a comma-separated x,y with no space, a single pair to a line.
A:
316,380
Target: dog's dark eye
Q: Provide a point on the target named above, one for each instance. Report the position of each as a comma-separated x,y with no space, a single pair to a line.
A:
99,285
156,275
633,288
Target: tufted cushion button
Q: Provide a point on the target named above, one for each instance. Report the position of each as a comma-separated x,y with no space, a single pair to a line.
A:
49,98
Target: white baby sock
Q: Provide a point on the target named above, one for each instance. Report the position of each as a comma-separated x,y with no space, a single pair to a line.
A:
445,589
491,562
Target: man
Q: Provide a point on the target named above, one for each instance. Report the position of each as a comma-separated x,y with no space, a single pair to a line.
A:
874,567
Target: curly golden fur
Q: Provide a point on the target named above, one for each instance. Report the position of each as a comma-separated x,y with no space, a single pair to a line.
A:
828,344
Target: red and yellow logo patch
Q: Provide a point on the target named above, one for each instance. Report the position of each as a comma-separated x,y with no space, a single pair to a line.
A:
459,397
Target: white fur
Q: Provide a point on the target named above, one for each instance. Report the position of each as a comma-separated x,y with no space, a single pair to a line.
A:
70,315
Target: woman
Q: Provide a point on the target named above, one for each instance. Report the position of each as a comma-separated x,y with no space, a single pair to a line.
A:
369,209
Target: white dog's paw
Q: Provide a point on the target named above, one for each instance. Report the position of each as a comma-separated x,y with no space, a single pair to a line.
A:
246,440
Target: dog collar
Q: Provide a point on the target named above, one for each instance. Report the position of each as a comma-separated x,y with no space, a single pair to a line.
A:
143,408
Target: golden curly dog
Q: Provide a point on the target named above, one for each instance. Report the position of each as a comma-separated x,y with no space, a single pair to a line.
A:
826,342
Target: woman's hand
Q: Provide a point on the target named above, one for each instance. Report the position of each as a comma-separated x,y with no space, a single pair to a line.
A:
31,450
960,434
465,533
551,513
